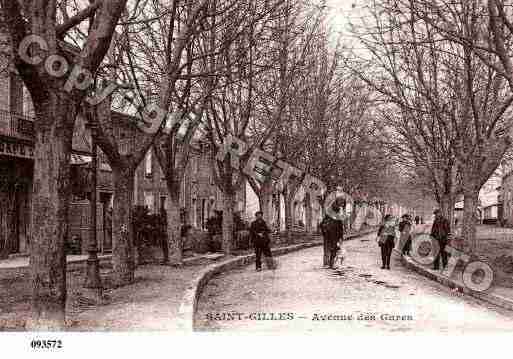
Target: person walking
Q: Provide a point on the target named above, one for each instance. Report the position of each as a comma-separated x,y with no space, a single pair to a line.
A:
440,232
417,220
405,239
332,229
259,233
386,240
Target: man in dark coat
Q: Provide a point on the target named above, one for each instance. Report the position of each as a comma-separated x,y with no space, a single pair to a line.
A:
440,232
259,233
332,229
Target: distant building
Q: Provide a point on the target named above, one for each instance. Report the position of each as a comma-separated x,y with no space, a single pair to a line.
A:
200,196
489,208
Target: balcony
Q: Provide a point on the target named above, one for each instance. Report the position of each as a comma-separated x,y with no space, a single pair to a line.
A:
17,126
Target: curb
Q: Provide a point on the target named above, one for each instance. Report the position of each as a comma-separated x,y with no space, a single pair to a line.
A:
492,298
189,303
79,264
71,265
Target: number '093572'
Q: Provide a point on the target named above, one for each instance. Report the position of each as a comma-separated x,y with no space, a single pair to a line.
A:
46,344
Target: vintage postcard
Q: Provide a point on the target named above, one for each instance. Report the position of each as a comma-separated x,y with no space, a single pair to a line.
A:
255,166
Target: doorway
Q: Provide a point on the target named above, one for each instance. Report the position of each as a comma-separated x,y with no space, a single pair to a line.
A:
15,189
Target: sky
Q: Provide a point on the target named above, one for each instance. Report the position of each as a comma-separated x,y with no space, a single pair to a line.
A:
341,10
341,13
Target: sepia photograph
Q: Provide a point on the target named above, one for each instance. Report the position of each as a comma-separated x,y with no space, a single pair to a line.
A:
275,167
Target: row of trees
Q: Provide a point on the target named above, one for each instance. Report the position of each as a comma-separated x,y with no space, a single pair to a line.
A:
442,78
263,71
269,79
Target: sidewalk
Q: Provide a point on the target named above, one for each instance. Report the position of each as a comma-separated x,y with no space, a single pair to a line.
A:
495,247
147,304
151,303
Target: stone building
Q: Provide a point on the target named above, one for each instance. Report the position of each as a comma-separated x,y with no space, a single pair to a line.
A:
199,197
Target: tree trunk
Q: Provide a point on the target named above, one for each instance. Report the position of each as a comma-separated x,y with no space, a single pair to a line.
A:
265,202
321,205
447,207
228,206
173,229
288,217
261,203
123,252
470,201
358,218
278,211
352,216
308,213
50,208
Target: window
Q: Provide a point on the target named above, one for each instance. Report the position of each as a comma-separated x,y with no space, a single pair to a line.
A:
196,165
148,164
149,200
203,215
163,201
194,214
183,194
194,168
28,107
15,94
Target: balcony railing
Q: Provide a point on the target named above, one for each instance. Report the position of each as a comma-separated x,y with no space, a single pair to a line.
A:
17,126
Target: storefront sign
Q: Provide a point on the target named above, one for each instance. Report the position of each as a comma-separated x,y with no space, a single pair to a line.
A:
16,149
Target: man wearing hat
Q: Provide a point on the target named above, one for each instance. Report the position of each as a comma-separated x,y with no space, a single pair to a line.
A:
332,229
440,232
259,232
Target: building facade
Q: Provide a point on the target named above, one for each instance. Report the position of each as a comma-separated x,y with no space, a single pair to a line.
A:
200,197
16,163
